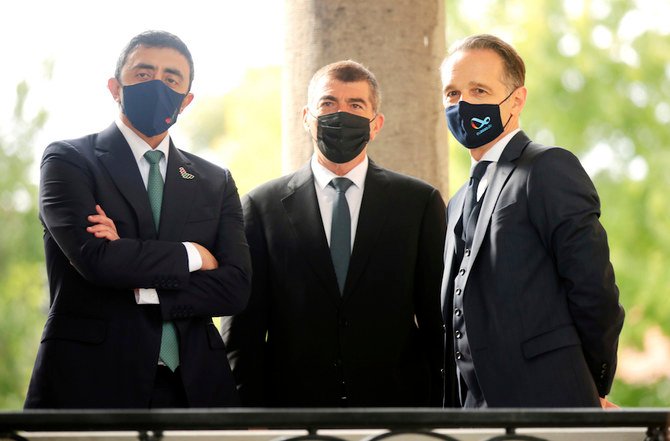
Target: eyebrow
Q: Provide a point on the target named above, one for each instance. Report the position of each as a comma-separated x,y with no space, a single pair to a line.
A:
470,84
478,84
350,100
144,66
169,70
173,71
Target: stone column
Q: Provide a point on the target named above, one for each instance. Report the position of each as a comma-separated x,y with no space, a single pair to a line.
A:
403,43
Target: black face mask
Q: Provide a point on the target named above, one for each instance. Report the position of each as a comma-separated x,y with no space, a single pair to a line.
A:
341,136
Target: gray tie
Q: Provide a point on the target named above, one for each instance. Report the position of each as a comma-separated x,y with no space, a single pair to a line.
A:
169,343
340,231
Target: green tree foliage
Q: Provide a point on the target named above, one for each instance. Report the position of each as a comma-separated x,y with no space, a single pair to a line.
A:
598,80
22,276
244,127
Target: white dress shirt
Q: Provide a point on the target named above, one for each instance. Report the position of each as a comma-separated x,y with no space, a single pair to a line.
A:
139,147
326,194
493,155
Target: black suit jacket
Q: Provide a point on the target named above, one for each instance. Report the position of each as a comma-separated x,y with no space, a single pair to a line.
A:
99,348
540,302
300,343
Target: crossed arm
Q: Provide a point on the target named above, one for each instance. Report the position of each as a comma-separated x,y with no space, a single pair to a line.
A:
103,228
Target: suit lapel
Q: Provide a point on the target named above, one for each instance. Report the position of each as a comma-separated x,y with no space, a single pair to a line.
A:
375,207
302,210
503,169
115,155
181,183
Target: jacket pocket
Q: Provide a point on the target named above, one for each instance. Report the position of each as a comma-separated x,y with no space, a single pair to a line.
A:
549,341
215,340
84,330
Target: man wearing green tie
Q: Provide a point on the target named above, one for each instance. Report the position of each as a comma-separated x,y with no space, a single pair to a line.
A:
144,244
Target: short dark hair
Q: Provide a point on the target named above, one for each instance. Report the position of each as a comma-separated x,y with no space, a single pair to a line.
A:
514,68
155,39
348,71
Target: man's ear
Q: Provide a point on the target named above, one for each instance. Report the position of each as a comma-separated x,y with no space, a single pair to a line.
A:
187,100
115,89
519,100
305,116
376,125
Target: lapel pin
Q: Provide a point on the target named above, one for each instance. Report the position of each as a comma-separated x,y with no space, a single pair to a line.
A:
184,174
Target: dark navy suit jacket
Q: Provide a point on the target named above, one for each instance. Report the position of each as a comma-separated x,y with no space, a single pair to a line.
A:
540,302
99,348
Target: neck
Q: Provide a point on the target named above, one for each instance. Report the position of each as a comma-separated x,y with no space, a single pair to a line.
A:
340,169
479,152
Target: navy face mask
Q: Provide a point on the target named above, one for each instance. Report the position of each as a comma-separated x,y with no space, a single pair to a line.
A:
151,106
341,136
474,125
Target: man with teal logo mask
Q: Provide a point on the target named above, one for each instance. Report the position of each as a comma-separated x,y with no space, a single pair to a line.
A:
344,309
528,293
144,243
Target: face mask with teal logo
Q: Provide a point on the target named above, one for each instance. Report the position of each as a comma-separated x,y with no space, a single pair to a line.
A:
152,107
474,125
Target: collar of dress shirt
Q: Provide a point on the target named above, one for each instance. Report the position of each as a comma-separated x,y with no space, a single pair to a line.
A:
138,146
493,154
323,176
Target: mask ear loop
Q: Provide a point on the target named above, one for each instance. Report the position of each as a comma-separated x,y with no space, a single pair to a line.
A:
511,114
510,94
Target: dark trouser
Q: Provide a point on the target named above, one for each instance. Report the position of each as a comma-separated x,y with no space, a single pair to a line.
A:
168,389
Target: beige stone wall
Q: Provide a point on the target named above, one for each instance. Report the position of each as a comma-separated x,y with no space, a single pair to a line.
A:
402,42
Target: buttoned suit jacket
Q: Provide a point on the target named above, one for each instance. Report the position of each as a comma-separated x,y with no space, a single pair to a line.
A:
99,348
380,343
540,302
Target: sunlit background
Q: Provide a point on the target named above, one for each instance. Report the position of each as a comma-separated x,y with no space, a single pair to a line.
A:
599,85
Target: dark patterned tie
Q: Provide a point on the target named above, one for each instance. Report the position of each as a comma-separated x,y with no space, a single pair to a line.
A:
470,207
169,343
340,231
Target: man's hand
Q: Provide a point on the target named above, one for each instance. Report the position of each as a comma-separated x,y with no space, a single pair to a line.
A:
606,404
209,262
103,227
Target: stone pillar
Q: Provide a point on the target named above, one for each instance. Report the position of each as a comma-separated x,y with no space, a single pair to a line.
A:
403,43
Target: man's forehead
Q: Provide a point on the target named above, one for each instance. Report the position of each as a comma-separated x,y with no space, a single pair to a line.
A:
327,86
164,54
474,65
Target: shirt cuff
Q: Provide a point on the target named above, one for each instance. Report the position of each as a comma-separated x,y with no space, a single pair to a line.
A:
194,259
146,296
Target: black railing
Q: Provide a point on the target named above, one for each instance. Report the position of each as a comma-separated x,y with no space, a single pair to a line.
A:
392,422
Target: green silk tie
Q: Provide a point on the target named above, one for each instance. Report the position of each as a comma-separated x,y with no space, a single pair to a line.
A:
169,343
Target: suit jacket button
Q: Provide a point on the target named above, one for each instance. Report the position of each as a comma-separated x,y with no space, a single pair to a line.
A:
459,356
458,312
458,334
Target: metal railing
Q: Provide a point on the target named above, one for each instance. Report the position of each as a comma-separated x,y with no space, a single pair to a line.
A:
392,422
